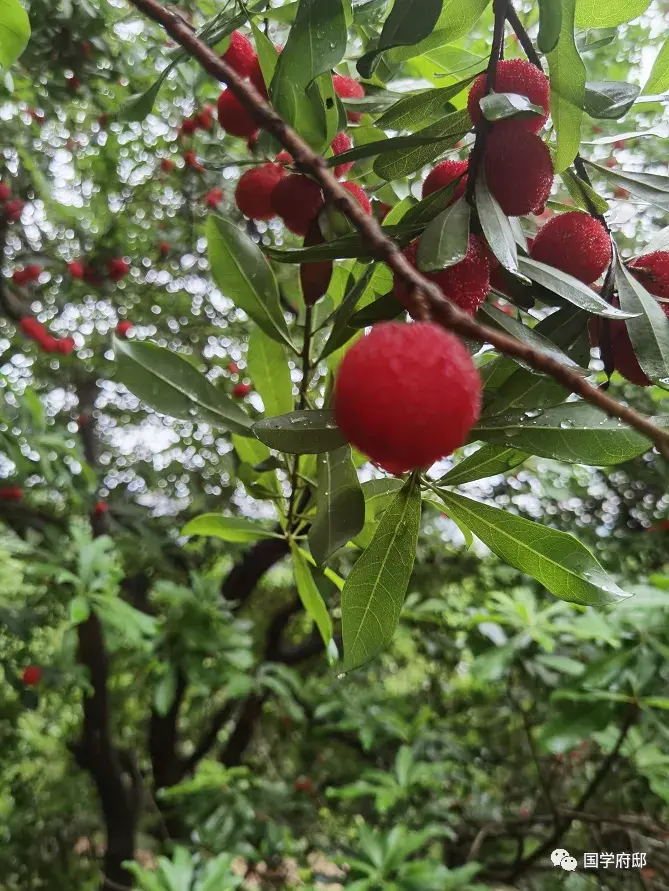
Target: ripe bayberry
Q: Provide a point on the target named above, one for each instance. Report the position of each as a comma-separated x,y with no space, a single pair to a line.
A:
205,119
253,194
519,171
315,277
347,88
19,277
466,283
652,270
32,328
100,508
32,272
576,243
76,269
233,368
297,200
65,345
14,209
11,493
240,55
443,175
192,162
233,117
47,343
164,248
32,675
124,327
188,127
5,193
213,198
360,196
407,395
117,268
239,391
166,165
341,143
514,76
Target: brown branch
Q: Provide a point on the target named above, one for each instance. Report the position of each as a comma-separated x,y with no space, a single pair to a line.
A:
523,37
426,299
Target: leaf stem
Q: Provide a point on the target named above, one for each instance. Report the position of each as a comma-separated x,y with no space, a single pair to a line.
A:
301,403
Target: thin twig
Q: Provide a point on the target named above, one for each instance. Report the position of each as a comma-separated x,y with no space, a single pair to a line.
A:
523,37
426,298
301,403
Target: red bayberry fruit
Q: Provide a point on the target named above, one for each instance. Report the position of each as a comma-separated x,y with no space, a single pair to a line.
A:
103,119
233,368
257,79
73,83
239,391
359,194
466,284
213,198
124,327
519,171
652,270
32,675
164,248
576,243
347,88
65,345
117,268
341,143
443,175
191,161
407,395
47,343
285,158
76,269
315,277
297,200
166,165
31,327
233,117
19,277
32,272
514,76
5,193
205,120
240,55
188,127
100,508
303,785
11,493
253,194
14,209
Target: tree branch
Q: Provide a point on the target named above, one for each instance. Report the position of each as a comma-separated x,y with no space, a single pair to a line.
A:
426,299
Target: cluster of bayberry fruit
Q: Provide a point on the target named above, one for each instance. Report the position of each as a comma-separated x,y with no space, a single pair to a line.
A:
10,208
115,269
38,332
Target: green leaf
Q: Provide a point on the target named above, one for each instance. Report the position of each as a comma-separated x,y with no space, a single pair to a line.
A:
373,595
268,55
383,147
244,276
409,22
378,495
385,309
300,432
651,187
550,22
169,384
401,163
489,460
530,336
341,333
609,100
556,559
608,13
562,664
658,79
236,529
432,206
502,106
495,224
140,106
569,288
14,32
446,239
457,19
340,504
165,692
575,432
310,596
649,330
269,371
567,79
346,247
412,111
80,609
583,194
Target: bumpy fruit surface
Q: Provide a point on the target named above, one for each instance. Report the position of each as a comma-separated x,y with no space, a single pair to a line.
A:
652,270
360,196
233,117
123,328
514,76
32,675
519,171
576,243
341,143
407,395
466,284
443,175
239,391
347,88
297,200
240,55
315,277
253,194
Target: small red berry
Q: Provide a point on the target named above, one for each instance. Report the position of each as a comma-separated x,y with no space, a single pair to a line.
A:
359,194
19,277
191,161
347,88
253,194
297,200
188,127
76,269
340,144
14,209
32,675
164,248
407,395
32,272
514,76
315,277
233,368
443,175
205,120
124,327
576,243
73,83
5,193
31,327
166,165
610,162
233,117
652,270
239,391
65,345
11,493
240,55
519,171
92,276
213,198
284,158
117,268
100,508
48,343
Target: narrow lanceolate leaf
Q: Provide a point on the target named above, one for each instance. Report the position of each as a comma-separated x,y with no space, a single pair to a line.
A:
428,208
457,19
550,22
383,147
378,495
567,79
346,247
582,193
489,460
556,559
409,22
169,384
445,241
236,529
310,596
397,164
495,225
340,504
269,371
527,335
502,106
658,79
140,106
608,13
610,99
569,288
373,595
243,275
651,187
385,309
316,43
649,330
574,431
412,111
14,32
341,333
300,432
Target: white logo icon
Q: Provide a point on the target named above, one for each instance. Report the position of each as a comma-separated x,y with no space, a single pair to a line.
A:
560,857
